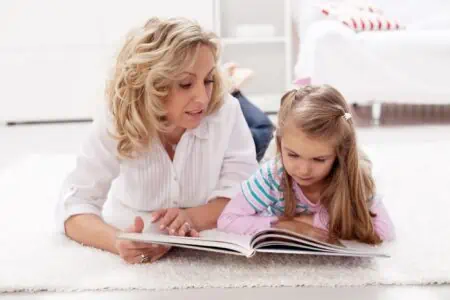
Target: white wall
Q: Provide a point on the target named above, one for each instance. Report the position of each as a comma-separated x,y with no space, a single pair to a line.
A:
55,55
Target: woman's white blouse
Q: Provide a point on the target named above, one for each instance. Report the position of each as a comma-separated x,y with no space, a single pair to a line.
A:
210,161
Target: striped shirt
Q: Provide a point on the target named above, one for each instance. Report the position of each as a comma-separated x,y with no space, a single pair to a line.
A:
263,191
261,202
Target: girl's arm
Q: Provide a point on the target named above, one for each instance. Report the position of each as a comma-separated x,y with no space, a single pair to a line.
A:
205,216
382,222
240,217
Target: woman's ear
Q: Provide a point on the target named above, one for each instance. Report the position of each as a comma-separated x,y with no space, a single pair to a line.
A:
278,142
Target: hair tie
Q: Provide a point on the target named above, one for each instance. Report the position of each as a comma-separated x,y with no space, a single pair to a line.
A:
347,116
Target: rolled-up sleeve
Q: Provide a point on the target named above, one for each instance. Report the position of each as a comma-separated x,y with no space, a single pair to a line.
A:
239,161
241,218
85,189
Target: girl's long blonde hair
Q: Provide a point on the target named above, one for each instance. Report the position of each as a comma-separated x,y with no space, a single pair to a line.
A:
151,60
319,112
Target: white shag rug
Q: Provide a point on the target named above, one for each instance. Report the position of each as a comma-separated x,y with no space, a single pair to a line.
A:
413,178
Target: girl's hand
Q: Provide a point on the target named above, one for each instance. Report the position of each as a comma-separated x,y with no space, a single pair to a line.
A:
177,222
136,252
302,228
305,218
308,230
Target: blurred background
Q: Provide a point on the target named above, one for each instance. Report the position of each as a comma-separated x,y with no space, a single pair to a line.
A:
389,59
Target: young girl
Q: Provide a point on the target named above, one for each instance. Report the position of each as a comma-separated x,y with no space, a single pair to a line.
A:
318,177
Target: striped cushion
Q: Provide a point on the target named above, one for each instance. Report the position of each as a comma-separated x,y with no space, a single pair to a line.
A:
361,18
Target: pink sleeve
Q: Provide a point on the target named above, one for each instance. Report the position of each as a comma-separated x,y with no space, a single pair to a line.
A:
382,222
320,219
240,217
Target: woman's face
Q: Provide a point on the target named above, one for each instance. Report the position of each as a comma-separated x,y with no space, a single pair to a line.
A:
189,97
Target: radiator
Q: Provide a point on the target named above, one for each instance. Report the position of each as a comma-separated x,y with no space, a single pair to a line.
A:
403,114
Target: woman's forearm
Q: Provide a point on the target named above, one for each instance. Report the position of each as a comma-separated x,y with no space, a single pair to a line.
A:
91,230
205,216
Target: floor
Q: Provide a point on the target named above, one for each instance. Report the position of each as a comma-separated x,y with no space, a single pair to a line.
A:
367,293
19,141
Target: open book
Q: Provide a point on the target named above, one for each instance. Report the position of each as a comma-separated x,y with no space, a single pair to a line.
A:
300,239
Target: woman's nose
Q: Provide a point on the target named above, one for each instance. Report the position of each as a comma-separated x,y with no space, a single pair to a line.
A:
202,95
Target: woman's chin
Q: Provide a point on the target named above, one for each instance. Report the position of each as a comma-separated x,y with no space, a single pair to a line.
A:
192,123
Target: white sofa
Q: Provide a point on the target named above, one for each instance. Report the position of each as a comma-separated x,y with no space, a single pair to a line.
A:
409,66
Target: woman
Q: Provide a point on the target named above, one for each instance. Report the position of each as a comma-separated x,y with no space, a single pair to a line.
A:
171,142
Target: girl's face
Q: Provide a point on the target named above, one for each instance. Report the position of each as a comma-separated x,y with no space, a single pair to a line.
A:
308,161
189,98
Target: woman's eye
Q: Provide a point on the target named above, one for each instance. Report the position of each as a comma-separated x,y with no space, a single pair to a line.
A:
209,81
320,160
185,85
292,155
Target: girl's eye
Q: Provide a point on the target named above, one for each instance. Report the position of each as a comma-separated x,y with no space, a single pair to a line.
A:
320,160
209,81
292,155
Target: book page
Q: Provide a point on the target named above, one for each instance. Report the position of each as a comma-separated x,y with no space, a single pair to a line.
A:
301,237
355,246
213,235
284,239
303,231
315,252
217,235
212,240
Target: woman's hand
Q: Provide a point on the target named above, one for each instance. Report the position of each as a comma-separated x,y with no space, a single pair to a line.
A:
176,220
138,253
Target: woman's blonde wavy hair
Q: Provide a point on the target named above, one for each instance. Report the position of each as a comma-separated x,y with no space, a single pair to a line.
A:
318,111
150,62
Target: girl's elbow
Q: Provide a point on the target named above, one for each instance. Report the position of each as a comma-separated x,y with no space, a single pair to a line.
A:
391,236
224,221
230,223
387,235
